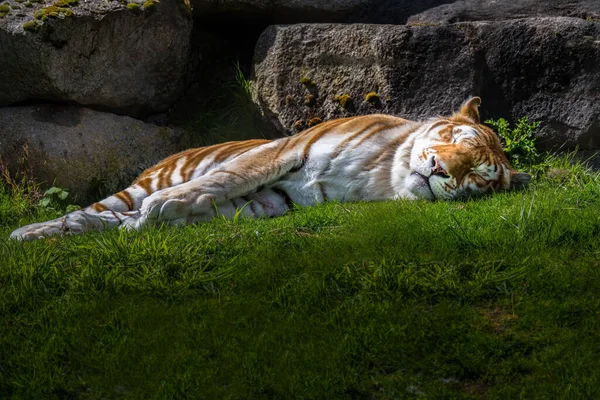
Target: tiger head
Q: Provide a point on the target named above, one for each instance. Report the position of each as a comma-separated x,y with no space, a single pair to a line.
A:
459,157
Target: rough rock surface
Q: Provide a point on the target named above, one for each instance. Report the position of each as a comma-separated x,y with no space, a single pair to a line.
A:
90,153
482,10
545,68
103,55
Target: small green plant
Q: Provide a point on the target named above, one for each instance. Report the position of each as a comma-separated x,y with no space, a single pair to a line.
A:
518,143
133,7
4,8
52,11
32,26
56,198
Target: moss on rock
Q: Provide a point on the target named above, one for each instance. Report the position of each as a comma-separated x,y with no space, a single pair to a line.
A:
345,100
150,5
371,97
32,26
305,80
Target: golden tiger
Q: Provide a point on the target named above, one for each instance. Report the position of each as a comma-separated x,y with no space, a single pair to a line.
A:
361,158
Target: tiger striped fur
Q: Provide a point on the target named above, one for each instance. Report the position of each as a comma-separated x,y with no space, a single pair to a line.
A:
372,157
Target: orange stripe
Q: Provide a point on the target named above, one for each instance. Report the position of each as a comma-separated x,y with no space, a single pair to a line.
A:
438,123
193,160
126,198
346,141
285,143
158,166
145,184
246,145
325,125
316,136
244,150
99,207
373,132
164,176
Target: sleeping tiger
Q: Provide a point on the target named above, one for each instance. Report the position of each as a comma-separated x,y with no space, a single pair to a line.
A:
361,158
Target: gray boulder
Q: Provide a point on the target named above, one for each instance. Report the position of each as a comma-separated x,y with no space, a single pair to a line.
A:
88,152
495,10
96,53
545,68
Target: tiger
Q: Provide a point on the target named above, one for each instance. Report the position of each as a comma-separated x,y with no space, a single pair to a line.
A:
371,157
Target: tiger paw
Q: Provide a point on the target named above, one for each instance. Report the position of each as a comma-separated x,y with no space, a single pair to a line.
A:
39,230
156,210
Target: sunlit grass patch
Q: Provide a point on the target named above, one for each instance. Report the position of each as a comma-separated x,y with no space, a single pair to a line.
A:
493,297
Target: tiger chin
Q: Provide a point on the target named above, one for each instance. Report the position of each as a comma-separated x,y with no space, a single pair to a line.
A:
362,158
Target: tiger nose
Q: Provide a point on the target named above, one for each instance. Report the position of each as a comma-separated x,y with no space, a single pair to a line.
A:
436,168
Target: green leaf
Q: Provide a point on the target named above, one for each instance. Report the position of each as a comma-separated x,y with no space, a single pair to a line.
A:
45,202
53,190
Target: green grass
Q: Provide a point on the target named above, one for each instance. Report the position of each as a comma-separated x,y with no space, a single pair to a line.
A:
489,298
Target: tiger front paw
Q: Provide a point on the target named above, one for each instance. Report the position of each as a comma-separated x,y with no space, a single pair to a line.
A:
160,209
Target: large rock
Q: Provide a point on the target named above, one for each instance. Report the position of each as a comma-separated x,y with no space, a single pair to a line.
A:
104,55
88,152
482,10
391,11
545,68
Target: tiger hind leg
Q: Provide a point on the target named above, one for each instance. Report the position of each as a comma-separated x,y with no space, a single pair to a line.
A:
108,213
75,222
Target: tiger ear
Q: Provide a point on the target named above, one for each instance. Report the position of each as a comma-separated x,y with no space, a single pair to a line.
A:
519,180
470,109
